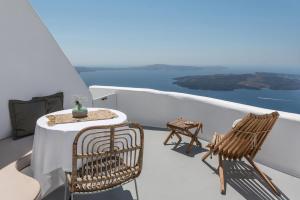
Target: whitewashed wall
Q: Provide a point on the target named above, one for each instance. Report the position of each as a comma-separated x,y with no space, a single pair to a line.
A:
31,62
155,108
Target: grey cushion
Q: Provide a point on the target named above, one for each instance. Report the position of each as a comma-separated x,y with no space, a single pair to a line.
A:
55,101
24,114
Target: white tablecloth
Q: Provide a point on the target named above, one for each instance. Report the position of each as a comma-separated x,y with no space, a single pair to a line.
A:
52,147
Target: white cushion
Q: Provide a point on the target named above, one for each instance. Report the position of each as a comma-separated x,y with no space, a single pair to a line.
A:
15,185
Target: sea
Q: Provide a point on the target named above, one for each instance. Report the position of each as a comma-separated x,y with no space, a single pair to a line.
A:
281,100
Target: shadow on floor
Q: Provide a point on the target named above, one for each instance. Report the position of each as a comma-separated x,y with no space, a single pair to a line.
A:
243,178
115,194
182,147
11,150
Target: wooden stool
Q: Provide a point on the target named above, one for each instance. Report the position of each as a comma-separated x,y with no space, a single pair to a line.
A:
181,126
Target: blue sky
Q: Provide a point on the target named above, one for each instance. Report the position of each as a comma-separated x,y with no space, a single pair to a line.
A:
191,32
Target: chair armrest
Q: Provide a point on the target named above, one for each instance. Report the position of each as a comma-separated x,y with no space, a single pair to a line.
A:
24,161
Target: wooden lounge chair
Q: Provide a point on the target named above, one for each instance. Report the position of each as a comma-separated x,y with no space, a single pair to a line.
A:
105,157
243,140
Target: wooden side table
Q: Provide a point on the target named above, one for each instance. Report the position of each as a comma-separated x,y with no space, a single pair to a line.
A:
181,126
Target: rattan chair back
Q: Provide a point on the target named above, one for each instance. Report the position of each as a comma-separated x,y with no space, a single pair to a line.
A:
106,156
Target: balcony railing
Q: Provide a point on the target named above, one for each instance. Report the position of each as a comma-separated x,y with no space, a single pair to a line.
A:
154,108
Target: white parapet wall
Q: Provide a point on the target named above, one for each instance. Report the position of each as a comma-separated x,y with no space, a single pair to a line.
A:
155,108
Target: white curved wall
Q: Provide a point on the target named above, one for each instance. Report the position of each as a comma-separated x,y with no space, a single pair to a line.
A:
155,108
32,63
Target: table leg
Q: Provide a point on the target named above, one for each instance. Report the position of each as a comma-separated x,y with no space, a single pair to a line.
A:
198,142
179,140
169,136
194,138
190,146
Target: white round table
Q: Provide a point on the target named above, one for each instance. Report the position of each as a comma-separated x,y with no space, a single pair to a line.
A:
52,147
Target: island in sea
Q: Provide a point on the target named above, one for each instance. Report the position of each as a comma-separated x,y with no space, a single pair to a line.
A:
229,82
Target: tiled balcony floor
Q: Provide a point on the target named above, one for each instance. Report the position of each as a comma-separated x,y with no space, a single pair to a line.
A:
170,174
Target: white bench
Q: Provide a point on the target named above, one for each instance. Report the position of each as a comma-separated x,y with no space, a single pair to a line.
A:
15,185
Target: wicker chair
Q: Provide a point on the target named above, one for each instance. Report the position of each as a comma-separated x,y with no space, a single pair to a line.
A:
244,140
105,157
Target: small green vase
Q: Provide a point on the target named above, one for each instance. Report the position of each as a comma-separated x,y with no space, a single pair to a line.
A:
79,111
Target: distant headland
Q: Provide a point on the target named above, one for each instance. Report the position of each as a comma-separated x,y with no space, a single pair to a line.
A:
257,81
150,67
